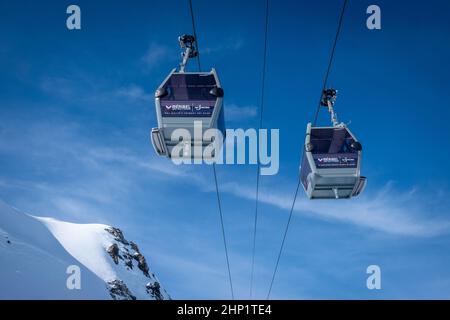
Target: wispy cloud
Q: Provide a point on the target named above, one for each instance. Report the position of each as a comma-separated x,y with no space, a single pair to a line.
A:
85,88
405,213
94,179
134,93
59,86
155,54
231,44
86,175
236,113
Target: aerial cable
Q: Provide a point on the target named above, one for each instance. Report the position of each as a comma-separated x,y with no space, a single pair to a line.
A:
315,120
327,73
214,169
259,164
223,231
195,33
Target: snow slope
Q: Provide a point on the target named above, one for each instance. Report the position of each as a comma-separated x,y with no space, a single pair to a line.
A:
33,264
35,253
85,242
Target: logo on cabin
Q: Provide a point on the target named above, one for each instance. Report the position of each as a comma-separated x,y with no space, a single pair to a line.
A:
346,159
200,107
328,160
179,107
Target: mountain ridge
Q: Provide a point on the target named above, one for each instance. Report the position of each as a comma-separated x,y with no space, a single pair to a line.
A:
36,252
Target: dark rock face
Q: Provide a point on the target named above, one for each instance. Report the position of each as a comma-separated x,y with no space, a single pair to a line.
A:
113,251
119,290
126,253
154,289
117,234
142,264
134,247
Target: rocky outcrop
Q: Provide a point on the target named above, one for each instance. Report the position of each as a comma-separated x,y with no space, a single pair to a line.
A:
126,253
154,289
117,234
119,290
113,251
142,263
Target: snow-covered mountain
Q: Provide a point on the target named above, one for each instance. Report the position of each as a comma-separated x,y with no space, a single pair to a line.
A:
36,255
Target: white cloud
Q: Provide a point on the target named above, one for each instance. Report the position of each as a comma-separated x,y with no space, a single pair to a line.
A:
91,89
228,45
155,54
74,207
389,210
97,180
84,174
58,86
408,213
103,156
134,93
234,112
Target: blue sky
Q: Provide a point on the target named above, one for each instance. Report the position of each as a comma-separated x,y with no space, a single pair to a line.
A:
76,109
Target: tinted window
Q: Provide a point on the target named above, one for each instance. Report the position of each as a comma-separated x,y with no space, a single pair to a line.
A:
331,140
188,87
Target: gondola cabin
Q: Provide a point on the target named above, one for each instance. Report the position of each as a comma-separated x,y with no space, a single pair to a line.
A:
330,168
182,99
185,99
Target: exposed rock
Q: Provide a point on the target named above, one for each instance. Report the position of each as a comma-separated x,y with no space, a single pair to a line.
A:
113,251
119,290
129,264
142,264
154,289
117,234
128,252
128,258
134,247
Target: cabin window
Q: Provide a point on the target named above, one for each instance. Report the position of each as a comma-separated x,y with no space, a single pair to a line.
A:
331,141
189,87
